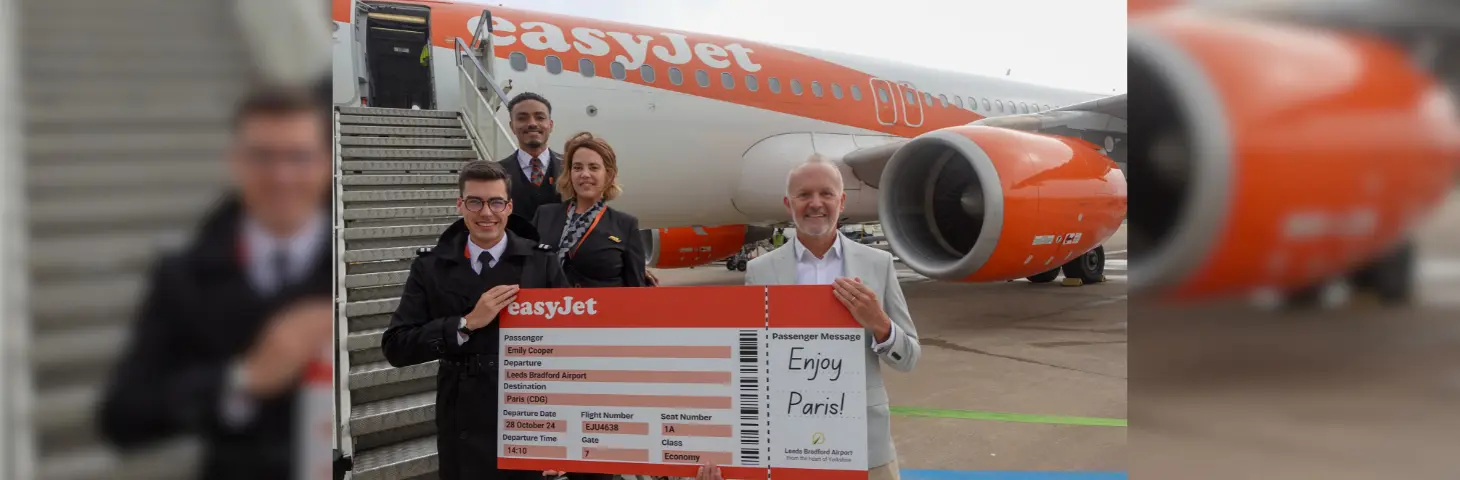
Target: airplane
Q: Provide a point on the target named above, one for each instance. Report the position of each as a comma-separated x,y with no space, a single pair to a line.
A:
973,178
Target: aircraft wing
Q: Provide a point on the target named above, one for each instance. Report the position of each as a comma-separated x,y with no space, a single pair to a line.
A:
1101,121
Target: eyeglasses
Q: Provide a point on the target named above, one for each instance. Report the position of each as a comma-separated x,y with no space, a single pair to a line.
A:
475,204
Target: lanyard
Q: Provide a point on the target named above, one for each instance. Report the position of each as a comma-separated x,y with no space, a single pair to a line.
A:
574,252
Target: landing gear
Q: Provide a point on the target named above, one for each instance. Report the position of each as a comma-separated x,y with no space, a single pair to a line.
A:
1088,268
1045,277
1388,279
1085,269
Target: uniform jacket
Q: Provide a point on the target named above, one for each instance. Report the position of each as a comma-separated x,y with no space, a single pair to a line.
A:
877,272
612,255
526,197
200,314
440,290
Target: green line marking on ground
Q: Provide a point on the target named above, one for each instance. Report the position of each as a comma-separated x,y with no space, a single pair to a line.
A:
1008,417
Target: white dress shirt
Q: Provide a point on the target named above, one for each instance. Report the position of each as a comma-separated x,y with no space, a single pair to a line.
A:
476,266
260,249
811,270
525,161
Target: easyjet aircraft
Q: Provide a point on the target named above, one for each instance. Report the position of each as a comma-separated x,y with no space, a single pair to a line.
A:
973,178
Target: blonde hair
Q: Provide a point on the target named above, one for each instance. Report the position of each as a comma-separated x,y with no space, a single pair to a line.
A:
610,163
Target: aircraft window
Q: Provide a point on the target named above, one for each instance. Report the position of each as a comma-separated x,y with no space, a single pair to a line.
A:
795,86
647,72
751,84
554,64
912,98
986,106
775,84
882,94
675,77
1023,107
816,88
617,69
959,101
943,100
727,80
856,93
1000,104
927,99
702,78
836,91
518,61
585,67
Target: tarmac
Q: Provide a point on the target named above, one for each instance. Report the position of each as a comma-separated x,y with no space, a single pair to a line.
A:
1015,378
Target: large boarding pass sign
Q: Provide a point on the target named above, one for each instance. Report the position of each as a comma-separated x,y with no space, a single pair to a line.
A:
655,381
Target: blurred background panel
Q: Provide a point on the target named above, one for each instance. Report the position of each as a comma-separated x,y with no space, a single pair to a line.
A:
125,121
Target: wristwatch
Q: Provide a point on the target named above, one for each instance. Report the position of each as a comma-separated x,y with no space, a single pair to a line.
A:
462,328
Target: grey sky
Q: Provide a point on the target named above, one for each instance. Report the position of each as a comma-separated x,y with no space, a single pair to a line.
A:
1077,44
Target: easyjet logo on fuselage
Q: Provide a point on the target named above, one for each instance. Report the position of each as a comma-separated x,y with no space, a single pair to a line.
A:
630,49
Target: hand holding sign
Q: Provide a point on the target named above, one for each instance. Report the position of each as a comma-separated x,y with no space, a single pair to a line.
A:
709,472
489,305
862,303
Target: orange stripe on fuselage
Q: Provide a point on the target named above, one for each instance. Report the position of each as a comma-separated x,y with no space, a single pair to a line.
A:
528,29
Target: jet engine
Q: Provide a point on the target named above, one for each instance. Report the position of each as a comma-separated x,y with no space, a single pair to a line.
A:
681,247
1274,156
981,203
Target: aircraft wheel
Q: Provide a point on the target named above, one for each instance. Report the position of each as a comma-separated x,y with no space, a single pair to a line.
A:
1045,277
730,264
1390,277
1089,268
742,264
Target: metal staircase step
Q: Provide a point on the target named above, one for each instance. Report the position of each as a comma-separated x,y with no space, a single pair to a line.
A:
397,112
407,153
402,166
402,131
77,348
406,231
399,142
66,408
149,175
381,373
62,303
399,195
364,339
400,212
399,121
402,460
399,180
393,413
67,144
371,307
379,254
376,279
172,461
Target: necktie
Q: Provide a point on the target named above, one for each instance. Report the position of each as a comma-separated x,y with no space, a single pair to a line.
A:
486,259
280,262
536,172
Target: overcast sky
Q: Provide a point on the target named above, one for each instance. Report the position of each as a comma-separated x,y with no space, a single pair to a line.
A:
1076,44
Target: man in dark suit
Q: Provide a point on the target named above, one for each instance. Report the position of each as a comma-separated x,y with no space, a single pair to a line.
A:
230,321
449,309
533,167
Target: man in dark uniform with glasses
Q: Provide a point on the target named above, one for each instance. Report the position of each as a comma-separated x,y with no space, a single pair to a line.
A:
449,311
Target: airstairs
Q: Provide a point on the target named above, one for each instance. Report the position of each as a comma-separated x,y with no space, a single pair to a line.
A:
396,190
125,122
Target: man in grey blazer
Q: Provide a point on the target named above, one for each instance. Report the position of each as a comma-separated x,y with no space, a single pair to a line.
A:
863,278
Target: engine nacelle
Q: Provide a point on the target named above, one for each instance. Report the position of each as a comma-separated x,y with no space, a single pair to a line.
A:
978,203
1274,156
681,247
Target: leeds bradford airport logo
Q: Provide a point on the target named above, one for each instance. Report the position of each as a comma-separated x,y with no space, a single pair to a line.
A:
817,438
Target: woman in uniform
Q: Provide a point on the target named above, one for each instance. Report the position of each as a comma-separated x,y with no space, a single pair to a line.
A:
599,246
